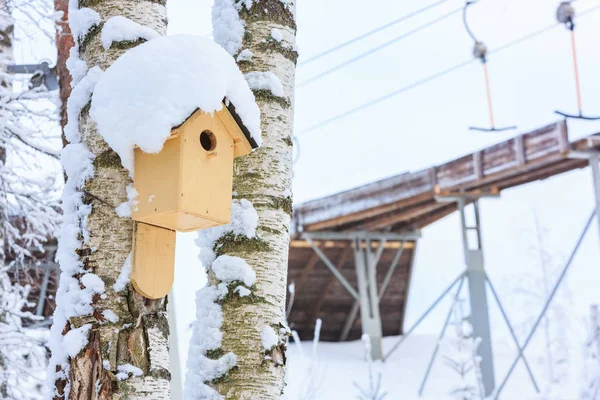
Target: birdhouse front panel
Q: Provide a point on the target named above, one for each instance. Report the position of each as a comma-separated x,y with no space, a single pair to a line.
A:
207,170
187,185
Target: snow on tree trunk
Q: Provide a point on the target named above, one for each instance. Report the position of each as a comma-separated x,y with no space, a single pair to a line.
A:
245,29
101,332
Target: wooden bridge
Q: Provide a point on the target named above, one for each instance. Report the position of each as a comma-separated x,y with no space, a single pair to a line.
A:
402,205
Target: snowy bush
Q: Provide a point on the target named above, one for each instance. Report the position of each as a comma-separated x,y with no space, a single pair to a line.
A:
374,391
22,351
461,357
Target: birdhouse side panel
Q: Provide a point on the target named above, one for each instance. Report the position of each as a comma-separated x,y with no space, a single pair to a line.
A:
157,180
241,146
207,170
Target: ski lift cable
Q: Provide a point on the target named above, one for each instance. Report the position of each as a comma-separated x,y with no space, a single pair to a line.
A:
378,48
480,52
372,32
565,14
435,76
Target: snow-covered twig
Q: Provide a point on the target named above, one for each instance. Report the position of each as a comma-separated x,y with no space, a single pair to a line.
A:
374,391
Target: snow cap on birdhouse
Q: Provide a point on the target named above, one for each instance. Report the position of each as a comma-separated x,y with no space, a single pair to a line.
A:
178,110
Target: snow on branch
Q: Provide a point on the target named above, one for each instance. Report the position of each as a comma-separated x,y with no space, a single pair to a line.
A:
134,109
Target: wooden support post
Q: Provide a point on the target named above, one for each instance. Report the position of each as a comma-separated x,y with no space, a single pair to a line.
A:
478,165
520,150
328,286
306,271
153,260
563,137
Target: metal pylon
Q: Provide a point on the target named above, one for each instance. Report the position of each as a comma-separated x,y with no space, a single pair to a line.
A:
473,253
366,276
593,158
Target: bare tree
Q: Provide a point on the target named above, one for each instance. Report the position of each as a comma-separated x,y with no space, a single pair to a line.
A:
374,391
532,289
461,356
591,367
28,207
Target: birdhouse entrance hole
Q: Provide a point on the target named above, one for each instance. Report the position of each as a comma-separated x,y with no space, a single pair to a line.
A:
208,141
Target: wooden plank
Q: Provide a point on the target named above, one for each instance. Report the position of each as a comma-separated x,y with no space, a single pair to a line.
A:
153,260
338,244
401,216
370,201
411,268
345,207
310,265
563,137
520,150
328,285
433,176
477,165
373,212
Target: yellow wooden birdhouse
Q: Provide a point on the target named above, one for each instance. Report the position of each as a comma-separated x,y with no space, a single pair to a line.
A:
185,187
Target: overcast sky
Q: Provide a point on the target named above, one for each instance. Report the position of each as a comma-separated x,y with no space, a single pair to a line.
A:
428,126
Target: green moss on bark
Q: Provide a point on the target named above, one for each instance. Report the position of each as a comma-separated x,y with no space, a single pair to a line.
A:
108,159
272,46
281,203
270,11
231,243
215,354
268,96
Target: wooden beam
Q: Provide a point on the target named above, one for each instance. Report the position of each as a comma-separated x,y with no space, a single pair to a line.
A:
411,268
478,165
302,244
328,286
372,212
520,156
401,217
310,265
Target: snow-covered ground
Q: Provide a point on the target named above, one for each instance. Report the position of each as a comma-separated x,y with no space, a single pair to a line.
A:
339,365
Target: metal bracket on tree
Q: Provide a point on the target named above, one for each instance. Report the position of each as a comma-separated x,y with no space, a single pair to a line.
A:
42,74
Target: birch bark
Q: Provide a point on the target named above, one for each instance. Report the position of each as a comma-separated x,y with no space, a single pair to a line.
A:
140,334
264,178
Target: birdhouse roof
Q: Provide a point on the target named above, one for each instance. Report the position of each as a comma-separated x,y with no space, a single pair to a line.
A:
239,121
159,84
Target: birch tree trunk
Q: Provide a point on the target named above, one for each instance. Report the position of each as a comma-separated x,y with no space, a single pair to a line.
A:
264,178
124,328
